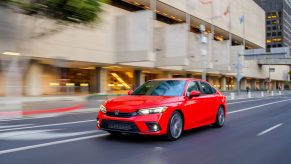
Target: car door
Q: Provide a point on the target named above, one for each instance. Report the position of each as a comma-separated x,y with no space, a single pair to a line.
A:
194,110
209,103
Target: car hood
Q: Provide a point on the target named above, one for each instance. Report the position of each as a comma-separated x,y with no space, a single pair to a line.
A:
132,103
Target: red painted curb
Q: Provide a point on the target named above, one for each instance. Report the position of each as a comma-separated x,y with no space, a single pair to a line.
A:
56,110
44,111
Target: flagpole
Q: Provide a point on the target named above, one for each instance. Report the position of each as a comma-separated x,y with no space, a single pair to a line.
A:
239,66
153,6
230,30
204,70
244,31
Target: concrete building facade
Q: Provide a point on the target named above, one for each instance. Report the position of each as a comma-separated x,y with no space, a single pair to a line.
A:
136,41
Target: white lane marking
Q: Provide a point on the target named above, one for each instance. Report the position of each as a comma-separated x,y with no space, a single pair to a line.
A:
249,100
13,126
32,135
245,109
50,143
20,133
270,129
48,125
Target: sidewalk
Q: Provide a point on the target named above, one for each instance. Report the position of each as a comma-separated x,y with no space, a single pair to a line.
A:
53,104
253,94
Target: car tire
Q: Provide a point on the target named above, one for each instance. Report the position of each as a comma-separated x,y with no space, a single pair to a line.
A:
175,126
220,118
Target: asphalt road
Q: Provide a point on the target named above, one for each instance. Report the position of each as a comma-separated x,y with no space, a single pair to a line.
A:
257,131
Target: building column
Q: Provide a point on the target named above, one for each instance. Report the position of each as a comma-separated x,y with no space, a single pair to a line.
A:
217,83
99,80
243,84
274,85
262,85
223,83
33,80
253,85
139,78
283,86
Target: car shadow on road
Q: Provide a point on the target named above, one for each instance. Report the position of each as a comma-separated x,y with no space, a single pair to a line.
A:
141,139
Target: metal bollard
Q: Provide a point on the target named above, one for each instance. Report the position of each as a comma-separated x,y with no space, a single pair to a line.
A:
249,95
262,94
272,93
232,96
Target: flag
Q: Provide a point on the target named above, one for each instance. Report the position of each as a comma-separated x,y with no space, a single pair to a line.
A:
205,2
242,19
227,10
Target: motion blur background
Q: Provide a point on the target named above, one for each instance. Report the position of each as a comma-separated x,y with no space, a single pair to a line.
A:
78,47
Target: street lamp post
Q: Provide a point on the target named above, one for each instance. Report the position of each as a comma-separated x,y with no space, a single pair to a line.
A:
203,50
238,73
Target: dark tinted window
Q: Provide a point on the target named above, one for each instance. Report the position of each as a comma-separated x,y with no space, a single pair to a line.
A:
206,88
193,86
274,27
213,90
161,88
274,34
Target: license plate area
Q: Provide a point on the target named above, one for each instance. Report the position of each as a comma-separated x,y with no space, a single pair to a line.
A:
119,126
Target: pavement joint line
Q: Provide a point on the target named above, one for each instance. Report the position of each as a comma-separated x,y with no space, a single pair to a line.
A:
245,109
48,125
270,129
50,143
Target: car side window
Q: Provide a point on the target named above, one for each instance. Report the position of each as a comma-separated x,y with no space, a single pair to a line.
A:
193,86
206,88
214,90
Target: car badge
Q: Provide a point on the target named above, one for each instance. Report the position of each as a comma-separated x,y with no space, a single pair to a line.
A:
116,112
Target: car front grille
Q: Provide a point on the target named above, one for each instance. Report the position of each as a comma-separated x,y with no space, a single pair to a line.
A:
120,114
123,126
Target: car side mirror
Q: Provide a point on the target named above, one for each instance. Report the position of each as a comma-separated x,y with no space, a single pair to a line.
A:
194,94
130,92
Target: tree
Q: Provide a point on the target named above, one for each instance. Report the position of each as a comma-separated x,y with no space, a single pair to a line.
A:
73,11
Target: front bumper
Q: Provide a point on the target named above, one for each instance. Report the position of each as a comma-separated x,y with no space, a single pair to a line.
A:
152,124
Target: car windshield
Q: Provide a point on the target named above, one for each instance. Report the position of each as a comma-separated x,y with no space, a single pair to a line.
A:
161,88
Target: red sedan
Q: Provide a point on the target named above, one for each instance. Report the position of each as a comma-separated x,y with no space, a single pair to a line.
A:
164,107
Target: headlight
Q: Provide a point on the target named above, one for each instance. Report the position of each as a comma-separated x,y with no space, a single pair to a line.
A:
102,109
152,110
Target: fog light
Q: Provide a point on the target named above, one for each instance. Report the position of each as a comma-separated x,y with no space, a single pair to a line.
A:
153,126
